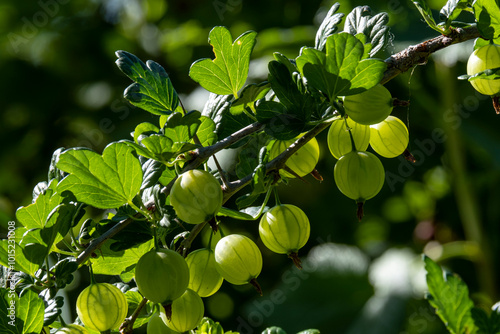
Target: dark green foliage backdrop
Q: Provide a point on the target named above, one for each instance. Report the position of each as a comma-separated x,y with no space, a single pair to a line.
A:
60,88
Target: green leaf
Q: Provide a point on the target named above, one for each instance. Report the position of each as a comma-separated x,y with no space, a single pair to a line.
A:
63,271
426,13
35,215
249,95
8,301
152,91
226,212
181,129
340,71
487,15
227,73
485,324
206,132
374,28
249,156
134,298
309,331
152,170
450,297
106,181
230,123
280,124
216,106
21,263
39,242
113,263
489,74
144,128
29,313
328,27
452,9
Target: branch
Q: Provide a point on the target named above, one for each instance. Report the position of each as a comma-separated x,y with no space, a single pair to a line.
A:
418,54
127,326
98,242
278,162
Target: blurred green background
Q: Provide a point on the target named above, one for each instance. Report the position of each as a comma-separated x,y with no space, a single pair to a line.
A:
62,89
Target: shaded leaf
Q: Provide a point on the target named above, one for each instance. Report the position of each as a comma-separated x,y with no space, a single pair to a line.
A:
152,91
106,181
216,106
487,15
181,129
280,124
63,272
328,27
227,73
249,95
152,171
486,324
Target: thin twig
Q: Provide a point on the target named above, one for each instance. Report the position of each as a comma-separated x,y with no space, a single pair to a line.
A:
127,326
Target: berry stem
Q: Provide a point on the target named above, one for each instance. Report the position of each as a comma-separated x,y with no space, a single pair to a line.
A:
296,259
168,310
256,285
359,212
496,103
408,156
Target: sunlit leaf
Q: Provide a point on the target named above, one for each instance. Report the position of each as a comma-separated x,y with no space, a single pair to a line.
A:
106,181
340,71
227,73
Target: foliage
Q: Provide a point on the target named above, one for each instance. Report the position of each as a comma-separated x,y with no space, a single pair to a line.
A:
132,178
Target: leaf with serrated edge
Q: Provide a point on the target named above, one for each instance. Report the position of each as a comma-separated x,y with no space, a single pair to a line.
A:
35,215
106,181
340,71
142,128
450,297
487,15
206,132
29,312
360,21
227,73
426,13
451,10
328,27
152,91
112,263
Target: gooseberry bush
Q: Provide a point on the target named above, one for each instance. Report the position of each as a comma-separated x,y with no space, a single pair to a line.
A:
158,193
